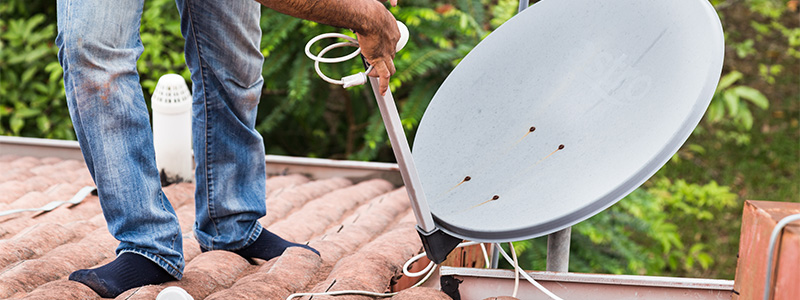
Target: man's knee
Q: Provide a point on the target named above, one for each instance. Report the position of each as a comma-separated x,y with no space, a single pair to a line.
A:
91,51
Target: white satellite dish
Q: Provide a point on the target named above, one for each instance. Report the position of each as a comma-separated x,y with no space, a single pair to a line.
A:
555,116
616,85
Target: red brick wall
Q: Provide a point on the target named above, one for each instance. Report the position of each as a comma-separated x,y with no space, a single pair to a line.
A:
758,220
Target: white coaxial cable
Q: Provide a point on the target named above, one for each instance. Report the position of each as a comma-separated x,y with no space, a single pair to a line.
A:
355,79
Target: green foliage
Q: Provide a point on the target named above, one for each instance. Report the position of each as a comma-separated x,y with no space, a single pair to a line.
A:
31,91
163,44
32,99
303,115
734,100
645,233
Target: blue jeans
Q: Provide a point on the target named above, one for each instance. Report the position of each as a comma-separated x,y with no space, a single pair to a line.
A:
99,45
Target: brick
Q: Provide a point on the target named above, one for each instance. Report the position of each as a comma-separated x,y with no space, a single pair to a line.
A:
758,220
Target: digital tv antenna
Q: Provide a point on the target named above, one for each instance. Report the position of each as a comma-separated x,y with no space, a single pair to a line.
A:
555,116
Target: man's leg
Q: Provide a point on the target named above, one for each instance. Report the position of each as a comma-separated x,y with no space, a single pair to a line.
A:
222,51
98,47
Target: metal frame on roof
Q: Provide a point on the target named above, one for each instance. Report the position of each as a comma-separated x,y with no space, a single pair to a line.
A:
317,168
483,283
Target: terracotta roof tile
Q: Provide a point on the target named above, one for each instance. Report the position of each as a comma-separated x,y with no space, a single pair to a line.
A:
38,240
89,208
59,262
278,182
25,163
62,289
7,158
53,160
284,200
207,273
40,183
421,293
11,190
372,267
30,199
291,272
318,214
364,231
180,194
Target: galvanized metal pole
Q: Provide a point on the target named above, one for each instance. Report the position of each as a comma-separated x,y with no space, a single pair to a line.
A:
495,257
558,250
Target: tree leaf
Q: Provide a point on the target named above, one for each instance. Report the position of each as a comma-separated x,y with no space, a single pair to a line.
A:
27,75
697,149
43,123
731,101
753,95
26,112
716,111
728,80
15,123
746,118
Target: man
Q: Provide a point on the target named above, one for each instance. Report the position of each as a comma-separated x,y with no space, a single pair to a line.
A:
98,47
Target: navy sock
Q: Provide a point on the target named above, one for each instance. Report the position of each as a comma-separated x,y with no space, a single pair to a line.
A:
127,271
267,246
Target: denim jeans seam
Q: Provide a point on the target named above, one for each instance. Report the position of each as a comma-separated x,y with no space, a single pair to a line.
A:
252,237
161,200
255,234
67,60
66,38
163,263
163,206
202,70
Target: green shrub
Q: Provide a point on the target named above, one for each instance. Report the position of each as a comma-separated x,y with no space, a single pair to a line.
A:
303,115
31,90
32,99
664,228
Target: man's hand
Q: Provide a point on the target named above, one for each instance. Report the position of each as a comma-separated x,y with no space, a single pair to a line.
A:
375,26
378,47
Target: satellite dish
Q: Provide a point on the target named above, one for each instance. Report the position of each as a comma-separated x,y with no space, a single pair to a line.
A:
562,111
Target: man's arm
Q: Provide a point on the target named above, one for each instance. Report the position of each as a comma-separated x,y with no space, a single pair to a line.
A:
374,25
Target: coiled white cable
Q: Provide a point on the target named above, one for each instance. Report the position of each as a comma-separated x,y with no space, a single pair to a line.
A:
355,79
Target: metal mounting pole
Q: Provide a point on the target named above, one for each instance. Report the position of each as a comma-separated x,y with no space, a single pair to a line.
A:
495,257
523,4
558,250
391,119
437,243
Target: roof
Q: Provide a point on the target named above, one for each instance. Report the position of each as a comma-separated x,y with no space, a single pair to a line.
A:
363,230
350,211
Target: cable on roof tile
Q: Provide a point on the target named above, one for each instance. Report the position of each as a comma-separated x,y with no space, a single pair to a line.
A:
79,196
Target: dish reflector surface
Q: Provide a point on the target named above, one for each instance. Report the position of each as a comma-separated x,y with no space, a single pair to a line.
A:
619,83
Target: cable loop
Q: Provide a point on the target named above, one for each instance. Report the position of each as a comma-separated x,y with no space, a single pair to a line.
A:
353,43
